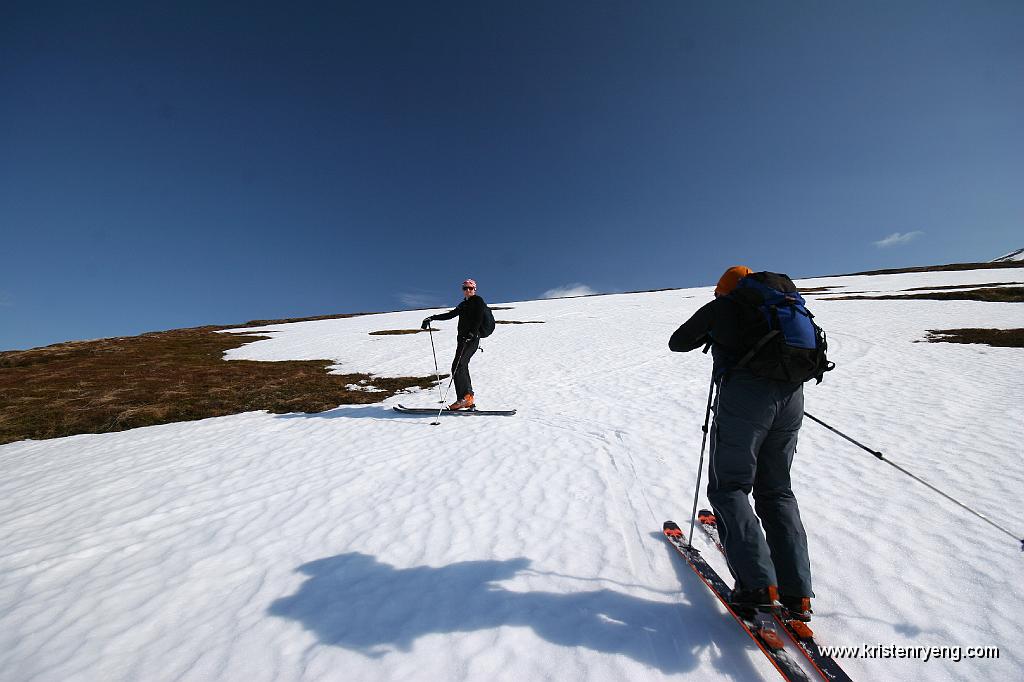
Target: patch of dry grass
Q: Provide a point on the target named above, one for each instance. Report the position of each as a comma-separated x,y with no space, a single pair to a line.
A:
397,332
268,323
163,377
1003,338
653,291
516,322
950,267
962,286
993,295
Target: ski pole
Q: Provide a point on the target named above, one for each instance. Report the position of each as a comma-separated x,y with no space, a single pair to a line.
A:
436,370
437,419
880,456
700,465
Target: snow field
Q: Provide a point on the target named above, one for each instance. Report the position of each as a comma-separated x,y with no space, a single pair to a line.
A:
363,543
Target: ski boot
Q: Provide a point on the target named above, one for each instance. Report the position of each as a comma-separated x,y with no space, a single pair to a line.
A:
466,403
797,608
747,602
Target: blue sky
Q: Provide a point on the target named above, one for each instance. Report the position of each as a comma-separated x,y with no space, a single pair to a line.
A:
183,163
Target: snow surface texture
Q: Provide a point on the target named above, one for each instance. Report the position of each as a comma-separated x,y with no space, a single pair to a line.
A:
359,544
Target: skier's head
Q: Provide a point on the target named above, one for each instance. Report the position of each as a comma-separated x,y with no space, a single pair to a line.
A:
469,287
730,278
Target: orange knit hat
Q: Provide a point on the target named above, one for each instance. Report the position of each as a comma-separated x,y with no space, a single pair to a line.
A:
730,278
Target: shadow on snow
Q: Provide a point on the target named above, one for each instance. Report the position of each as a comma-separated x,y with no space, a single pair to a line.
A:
356,602
371,411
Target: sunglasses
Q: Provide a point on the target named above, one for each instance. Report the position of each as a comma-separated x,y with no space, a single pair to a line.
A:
469,288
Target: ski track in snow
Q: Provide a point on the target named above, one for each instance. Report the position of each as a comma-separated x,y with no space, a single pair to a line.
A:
360,544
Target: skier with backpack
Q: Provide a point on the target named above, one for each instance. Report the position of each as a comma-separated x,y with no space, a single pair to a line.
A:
765,345
475,322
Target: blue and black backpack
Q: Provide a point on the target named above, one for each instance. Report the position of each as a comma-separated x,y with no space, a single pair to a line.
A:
778,333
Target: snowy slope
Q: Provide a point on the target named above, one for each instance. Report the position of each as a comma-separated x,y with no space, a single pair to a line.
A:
1012,256
359,544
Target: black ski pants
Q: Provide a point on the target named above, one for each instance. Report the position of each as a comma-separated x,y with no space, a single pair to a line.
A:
460,366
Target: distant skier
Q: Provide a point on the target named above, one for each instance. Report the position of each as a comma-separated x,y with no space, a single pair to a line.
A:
758,414
472,313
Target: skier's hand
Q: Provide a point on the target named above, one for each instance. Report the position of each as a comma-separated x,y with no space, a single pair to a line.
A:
426,322
469,337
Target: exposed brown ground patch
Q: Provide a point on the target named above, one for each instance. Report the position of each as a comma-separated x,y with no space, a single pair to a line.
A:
994,295
1004,338
397,332
163,377
268,323
962,286
951,267
650,291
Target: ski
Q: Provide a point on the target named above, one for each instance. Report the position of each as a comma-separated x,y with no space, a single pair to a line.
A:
433,410
798,631
760,626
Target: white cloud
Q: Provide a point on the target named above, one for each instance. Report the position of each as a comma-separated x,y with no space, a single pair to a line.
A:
419,299
898,238
576,289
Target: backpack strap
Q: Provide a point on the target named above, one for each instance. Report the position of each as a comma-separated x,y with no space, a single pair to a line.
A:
763,341
758,346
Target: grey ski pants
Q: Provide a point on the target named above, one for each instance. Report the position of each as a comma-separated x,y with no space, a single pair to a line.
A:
753,441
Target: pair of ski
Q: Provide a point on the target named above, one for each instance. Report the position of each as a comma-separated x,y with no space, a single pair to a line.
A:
471,411
763,627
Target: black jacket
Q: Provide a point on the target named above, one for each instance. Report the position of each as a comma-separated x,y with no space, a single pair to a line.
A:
470,313
721,322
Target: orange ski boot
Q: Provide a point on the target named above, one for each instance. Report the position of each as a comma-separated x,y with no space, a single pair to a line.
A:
798,608
466,403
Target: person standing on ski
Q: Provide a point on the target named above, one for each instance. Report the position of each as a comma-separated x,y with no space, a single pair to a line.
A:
753,440
471,313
